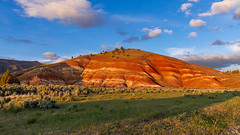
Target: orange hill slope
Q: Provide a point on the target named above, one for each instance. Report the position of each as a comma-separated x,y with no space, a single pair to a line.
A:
129,68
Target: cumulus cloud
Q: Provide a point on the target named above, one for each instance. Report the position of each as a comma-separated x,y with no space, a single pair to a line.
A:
192,34
198,23
131,39
222,7
237,14
152,33
177,52
170,32
110,47
213,60
14,40
77,12
51,57
185,8
234,46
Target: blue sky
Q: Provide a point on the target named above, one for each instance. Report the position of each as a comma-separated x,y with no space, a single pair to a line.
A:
203,32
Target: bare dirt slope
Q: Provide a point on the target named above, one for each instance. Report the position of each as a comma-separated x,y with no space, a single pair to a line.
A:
129,68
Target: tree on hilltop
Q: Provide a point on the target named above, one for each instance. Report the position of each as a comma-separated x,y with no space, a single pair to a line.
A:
7,78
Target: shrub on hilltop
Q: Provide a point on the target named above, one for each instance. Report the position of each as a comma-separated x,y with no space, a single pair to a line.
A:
35,80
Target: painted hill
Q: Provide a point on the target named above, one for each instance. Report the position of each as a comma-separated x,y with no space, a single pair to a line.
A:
128,68
15,66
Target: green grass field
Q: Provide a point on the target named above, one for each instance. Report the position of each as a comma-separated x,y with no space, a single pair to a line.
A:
175,112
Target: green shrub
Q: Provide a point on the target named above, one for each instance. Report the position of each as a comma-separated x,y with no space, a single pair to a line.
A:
32,120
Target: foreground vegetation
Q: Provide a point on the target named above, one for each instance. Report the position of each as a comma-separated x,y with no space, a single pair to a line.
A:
56,109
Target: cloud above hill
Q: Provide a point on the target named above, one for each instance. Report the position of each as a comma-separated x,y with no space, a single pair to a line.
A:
51,57
213,60
77,12
178,52
151,33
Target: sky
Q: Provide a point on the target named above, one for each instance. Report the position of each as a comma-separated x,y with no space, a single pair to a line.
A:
204,32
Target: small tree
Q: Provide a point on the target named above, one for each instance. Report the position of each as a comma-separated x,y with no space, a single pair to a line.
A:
6,78
35,80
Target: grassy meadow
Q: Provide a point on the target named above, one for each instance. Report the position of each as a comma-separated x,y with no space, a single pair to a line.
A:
104,110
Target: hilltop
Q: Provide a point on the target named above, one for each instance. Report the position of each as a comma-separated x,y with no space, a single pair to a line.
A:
129,68
15,66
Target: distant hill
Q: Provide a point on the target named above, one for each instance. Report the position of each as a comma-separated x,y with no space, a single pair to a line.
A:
129,68
14,65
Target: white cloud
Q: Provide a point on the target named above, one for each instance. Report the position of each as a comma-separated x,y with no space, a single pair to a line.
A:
225,6
185,6
170,32
178,52
76,12
110,47
152,33
234,47
193,0
230,67
192,34
197,23
51,57
188,12
237,13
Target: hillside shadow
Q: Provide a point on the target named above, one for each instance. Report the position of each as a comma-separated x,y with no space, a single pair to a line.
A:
137,111
188,103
